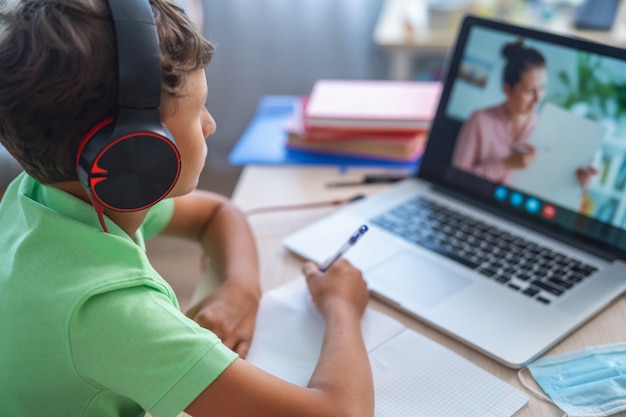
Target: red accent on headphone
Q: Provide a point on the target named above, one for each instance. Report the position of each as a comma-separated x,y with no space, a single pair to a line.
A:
99,174
88,136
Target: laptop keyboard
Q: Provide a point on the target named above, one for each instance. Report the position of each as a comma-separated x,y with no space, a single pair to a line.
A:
523,266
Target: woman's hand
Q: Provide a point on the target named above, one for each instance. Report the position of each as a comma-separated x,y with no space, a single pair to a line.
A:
584,174
520,158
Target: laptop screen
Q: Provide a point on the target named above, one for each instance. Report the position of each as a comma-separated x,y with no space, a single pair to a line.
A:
533,125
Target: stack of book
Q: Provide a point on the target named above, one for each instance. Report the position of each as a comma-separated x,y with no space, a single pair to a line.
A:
386,120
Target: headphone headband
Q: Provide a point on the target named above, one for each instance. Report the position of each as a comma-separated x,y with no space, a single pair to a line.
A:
138,54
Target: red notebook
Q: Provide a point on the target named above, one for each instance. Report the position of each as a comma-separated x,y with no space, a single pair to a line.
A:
371,148
373,105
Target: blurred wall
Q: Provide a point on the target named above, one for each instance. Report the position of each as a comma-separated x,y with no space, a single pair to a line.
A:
279,47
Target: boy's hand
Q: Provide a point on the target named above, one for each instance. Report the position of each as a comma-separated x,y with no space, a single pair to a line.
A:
341,284
230,313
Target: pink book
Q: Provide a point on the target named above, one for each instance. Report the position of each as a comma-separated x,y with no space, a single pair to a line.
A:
296,125
370,104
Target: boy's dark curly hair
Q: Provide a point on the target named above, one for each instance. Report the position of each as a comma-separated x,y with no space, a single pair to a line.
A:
58,75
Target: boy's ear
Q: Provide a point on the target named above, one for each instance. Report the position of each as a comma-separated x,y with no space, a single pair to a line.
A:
129,162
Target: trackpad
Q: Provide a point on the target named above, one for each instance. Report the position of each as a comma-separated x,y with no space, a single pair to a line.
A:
407,279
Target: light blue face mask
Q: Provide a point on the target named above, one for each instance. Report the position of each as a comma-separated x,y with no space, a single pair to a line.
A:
586,383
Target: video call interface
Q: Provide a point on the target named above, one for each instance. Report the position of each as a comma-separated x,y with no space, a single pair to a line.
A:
551,146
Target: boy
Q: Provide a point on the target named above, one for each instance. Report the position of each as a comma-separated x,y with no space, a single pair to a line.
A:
88,327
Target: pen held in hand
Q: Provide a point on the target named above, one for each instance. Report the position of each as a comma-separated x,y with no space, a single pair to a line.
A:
324,266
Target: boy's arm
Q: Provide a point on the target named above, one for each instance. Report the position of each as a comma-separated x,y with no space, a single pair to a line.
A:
223,231
341,384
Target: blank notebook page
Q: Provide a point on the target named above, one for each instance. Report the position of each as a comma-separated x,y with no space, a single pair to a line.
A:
414,376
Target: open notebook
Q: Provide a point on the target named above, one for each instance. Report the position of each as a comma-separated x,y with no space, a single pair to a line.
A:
413,376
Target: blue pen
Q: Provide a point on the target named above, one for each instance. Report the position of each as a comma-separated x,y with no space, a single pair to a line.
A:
344,248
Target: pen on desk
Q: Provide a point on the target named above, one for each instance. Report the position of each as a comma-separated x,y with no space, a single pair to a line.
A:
344,248
368,179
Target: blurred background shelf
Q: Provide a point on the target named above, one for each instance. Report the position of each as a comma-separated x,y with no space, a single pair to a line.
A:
416,32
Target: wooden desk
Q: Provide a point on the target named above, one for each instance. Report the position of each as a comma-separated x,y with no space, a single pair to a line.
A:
261,186
403,30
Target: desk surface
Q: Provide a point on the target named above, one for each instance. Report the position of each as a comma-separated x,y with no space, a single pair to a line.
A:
261,186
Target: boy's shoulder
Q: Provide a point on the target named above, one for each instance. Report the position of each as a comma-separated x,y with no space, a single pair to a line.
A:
47,231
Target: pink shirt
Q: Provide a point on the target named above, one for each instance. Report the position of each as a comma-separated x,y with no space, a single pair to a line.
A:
485,140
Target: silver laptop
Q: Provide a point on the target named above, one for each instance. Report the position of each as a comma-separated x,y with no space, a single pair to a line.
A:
506,270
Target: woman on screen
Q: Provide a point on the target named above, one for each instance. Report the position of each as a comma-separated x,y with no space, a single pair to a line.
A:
493,142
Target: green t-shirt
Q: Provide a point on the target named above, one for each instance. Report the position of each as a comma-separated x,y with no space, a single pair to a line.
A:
87,326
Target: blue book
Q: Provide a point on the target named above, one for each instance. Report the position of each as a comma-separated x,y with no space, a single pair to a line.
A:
263,142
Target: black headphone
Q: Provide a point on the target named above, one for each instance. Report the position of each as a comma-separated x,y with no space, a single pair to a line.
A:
130,162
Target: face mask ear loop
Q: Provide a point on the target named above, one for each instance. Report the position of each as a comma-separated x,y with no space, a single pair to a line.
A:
531,389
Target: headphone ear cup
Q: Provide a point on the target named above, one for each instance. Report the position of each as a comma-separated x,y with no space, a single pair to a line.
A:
130,172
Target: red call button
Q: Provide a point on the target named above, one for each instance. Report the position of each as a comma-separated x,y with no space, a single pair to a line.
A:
549,211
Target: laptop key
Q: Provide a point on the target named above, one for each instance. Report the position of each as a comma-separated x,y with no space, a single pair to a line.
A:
530,291
502,279
552,289
584,270
560,282
487,271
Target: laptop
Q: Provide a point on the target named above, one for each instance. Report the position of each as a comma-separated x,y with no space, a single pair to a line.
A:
505,267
